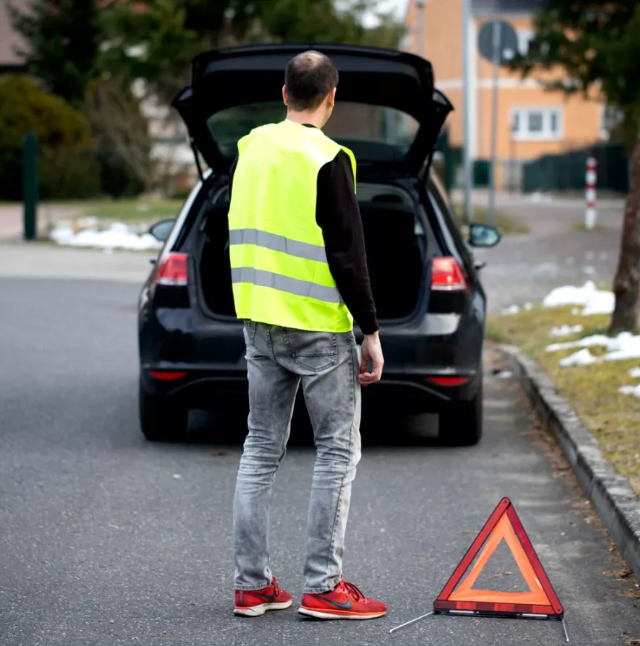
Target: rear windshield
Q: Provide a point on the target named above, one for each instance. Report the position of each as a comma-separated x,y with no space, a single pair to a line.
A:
352,124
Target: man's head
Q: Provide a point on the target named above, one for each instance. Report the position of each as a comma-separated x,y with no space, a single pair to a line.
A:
310,87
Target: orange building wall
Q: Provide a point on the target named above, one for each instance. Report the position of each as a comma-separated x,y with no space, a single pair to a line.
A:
581,117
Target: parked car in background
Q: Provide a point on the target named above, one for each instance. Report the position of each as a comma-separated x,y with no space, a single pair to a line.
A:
430,301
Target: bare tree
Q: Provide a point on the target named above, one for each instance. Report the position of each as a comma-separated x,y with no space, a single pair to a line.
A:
116,118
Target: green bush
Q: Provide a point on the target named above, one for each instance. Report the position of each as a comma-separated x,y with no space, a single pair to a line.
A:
68,167
116,180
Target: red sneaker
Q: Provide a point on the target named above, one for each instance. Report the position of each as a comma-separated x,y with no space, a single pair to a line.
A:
254,603
345,601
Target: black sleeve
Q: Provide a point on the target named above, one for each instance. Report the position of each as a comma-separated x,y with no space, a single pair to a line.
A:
338,215
231,172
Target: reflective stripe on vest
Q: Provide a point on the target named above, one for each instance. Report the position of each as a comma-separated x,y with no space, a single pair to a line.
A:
285,284
278,243
279,267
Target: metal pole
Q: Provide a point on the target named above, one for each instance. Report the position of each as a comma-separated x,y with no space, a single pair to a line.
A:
30,185
421,28
592,179
466,73
408,623
494,122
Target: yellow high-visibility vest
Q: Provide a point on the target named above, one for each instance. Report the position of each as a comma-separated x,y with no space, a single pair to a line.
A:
279,264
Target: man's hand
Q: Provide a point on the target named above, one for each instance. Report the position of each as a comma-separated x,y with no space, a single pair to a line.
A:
371,352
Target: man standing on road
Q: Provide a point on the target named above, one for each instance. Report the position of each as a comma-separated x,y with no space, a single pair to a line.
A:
300,275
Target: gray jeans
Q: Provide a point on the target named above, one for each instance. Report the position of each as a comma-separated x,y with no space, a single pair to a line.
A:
326,364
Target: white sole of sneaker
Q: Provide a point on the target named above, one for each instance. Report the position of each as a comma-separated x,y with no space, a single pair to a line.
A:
258,611
330,615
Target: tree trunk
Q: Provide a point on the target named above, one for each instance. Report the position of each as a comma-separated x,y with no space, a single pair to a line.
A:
626,285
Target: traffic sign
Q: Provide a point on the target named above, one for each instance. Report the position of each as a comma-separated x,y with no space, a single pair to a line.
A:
507,39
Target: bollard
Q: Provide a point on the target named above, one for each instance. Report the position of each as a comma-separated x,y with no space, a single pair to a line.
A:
592,179
30,185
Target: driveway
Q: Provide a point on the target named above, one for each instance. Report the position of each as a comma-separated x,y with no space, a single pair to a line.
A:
12,218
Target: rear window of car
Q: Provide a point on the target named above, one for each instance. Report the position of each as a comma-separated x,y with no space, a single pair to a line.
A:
350,122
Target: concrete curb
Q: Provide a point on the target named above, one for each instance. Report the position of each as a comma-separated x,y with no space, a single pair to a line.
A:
613,499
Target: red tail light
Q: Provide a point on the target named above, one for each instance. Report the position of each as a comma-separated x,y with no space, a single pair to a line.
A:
448,381
167,375
174,270
447,275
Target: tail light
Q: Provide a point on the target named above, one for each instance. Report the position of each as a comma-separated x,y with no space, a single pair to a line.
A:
448,381
447,275
174,270
167,375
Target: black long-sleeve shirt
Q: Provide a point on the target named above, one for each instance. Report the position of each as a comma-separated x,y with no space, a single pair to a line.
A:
338,215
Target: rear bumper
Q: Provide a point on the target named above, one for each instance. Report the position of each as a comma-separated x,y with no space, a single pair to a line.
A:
204,388
211,356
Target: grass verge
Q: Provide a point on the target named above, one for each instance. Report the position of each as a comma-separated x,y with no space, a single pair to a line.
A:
592,390
505,223
581,226
143,210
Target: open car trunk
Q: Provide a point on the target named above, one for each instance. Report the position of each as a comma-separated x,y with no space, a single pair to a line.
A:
396,249
388,109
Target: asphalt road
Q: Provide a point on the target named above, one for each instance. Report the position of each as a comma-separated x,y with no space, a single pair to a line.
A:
524,268
107,540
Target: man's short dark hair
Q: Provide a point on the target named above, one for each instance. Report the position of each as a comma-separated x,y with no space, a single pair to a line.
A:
309,77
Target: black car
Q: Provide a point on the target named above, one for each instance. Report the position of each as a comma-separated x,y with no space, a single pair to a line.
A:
430,302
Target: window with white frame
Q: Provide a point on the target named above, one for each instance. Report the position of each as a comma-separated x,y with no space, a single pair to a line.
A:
610,117
540,123
525,36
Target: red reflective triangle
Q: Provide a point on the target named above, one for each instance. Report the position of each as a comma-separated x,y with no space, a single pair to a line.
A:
459,595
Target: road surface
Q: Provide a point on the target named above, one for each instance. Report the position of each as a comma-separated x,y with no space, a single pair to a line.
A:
107,540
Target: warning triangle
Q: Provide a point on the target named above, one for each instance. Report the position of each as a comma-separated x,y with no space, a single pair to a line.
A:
460,596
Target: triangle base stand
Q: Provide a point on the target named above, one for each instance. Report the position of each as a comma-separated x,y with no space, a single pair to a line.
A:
432,613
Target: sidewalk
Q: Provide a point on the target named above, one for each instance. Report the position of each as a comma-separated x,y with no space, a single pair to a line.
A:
43,260
480,197
11,218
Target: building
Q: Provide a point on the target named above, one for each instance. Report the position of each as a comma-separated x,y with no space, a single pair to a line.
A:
532,121
10,41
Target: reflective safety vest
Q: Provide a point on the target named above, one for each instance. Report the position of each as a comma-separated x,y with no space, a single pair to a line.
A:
279,265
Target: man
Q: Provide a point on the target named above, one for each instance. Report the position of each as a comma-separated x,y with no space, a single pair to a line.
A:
299,276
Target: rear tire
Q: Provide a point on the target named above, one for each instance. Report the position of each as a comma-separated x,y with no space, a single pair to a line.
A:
462,425
161,418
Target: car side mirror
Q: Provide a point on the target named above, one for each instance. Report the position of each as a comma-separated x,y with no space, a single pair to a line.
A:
161,230
483,235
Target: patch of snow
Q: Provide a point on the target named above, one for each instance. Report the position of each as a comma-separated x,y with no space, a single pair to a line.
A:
587,342
601,302
512,309
593,300
580,358
575,311
590,271
116,236
504,374
624,346
540,197
635,373
630,390
569,295
528,306
566,330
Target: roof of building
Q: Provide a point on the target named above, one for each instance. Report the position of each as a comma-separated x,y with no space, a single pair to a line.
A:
499,7
10,39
